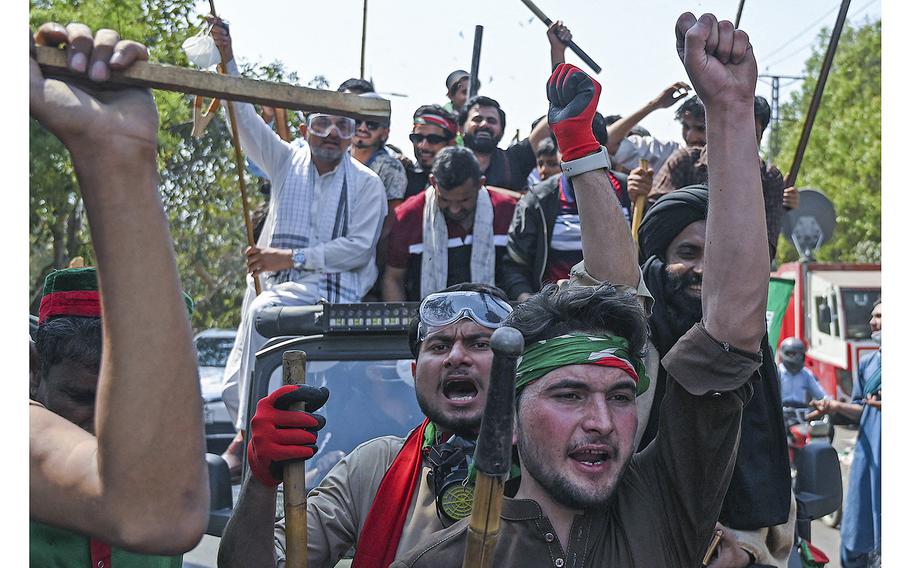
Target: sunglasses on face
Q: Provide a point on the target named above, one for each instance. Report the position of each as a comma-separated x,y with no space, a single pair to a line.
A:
322,124
431,138
371,125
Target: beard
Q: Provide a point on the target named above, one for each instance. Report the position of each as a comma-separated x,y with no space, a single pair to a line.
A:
461,423
326,154
683,308
481,141
558,485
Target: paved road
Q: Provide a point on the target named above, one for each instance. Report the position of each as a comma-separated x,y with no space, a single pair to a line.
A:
827,539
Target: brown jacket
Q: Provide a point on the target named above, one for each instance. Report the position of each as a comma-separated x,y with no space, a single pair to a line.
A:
664,509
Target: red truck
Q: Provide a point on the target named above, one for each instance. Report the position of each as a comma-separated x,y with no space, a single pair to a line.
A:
829,310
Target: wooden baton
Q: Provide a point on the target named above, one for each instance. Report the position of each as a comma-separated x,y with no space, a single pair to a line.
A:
639,212
293,367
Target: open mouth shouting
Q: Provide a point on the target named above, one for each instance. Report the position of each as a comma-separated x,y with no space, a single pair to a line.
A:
461,390
593,458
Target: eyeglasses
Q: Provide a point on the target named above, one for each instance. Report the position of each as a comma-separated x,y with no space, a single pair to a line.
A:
444,308
370,124
431,138
322,124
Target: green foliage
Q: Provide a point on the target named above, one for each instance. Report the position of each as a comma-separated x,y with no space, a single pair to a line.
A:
843,157
199,186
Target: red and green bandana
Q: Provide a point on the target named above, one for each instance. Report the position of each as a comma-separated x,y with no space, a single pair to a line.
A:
74,292
546,355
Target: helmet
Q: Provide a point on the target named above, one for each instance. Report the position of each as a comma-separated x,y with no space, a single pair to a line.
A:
793,353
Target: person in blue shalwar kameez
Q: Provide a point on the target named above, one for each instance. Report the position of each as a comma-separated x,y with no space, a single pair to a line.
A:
861,527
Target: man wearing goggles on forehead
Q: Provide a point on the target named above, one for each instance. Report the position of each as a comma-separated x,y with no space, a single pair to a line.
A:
389,493
319,237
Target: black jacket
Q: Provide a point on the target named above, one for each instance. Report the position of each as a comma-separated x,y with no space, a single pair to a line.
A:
531,230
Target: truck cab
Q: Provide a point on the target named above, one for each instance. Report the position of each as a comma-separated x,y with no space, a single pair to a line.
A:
360,353
829,310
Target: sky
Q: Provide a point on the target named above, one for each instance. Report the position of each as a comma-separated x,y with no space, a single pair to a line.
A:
412,46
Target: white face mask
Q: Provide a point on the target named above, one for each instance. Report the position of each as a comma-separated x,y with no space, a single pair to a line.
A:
201,50
877,336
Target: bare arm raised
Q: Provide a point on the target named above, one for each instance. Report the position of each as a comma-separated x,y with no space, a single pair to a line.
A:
667,98
141,483
722,68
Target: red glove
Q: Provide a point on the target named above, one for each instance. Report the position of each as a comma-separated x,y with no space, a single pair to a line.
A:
279,435
573,97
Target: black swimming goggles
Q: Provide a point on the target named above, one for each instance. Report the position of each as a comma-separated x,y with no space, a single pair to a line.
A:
444,308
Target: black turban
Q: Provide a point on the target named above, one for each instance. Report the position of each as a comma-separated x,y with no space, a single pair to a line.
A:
669,216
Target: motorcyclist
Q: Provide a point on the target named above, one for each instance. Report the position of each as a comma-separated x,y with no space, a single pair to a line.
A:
798,384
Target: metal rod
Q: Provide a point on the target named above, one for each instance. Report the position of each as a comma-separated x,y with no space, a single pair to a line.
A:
473,85
739,13
817,96
571,44
363,41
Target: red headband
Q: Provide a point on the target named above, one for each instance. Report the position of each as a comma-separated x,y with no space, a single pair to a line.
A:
85,303
436,120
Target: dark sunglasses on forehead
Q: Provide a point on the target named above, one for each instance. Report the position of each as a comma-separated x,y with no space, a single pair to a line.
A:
431,138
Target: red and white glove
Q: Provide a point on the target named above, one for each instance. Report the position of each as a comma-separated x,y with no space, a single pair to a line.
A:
573,97
279,435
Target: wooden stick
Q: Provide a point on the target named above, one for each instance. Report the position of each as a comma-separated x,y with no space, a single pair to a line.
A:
194,82
293,365
570,44
281,124
238,161
484,526
473,83
639,211
739,13
817,95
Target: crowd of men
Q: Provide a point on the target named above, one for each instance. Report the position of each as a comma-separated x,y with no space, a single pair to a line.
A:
648,400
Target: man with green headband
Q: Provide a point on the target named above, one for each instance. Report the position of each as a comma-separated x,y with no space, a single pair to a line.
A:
585,498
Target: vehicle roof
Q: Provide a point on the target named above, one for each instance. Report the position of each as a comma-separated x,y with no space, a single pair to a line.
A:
851,278
215,332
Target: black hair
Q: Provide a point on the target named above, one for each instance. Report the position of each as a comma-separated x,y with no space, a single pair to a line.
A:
762,112
454,165
611,118
414,342
358,86
599,128
480,100
545,148
599,309
691,105
69,338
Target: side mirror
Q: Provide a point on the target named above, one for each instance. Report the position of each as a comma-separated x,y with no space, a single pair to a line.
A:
221,497
818,480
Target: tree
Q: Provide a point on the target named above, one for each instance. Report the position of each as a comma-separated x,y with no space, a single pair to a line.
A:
199,187
843,157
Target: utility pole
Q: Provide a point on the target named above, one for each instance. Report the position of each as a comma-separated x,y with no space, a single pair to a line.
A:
774,147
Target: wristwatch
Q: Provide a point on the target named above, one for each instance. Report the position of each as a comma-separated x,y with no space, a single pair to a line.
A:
595,161
298,258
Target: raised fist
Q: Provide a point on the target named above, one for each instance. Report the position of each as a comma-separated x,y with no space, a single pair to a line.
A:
279,435
718,59
573,97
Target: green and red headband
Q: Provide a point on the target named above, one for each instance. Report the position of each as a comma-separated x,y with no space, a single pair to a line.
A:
546,355
74,292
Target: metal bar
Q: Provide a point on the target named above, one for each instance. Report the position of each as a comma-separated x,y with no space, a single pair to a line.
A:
817,96
183,80
571,44
473,83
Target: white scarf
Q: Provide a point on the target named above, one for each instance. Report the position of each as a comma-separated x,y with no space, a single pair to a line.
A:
434,266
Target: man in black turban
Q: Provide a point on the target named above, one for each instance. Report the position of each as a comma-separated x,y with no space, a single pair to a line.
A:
672,242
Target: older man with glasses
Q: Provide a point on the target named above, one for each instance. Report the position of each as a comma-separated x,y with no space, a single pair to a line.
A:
390,492
319,238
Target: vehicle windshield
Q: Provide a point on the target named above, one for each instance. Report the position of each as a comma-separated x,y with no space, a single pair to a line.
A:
367,399
857,306
213,351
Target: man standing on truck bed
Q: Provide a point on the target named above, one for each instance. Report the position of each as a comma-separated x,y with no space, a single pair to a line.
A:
388,493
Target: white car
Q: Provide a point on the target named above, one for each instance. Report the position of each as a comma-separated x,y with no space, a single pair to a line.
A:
212,349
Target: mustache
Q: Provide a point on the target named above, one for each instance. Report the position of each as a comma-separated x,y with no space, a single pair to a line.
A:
680,282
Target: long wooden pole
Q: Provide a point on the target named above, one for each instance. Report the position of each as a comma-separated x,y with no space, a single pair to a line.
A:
226,87
817,95
238,161
293,366
570,44
473,83
639,212
739,13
